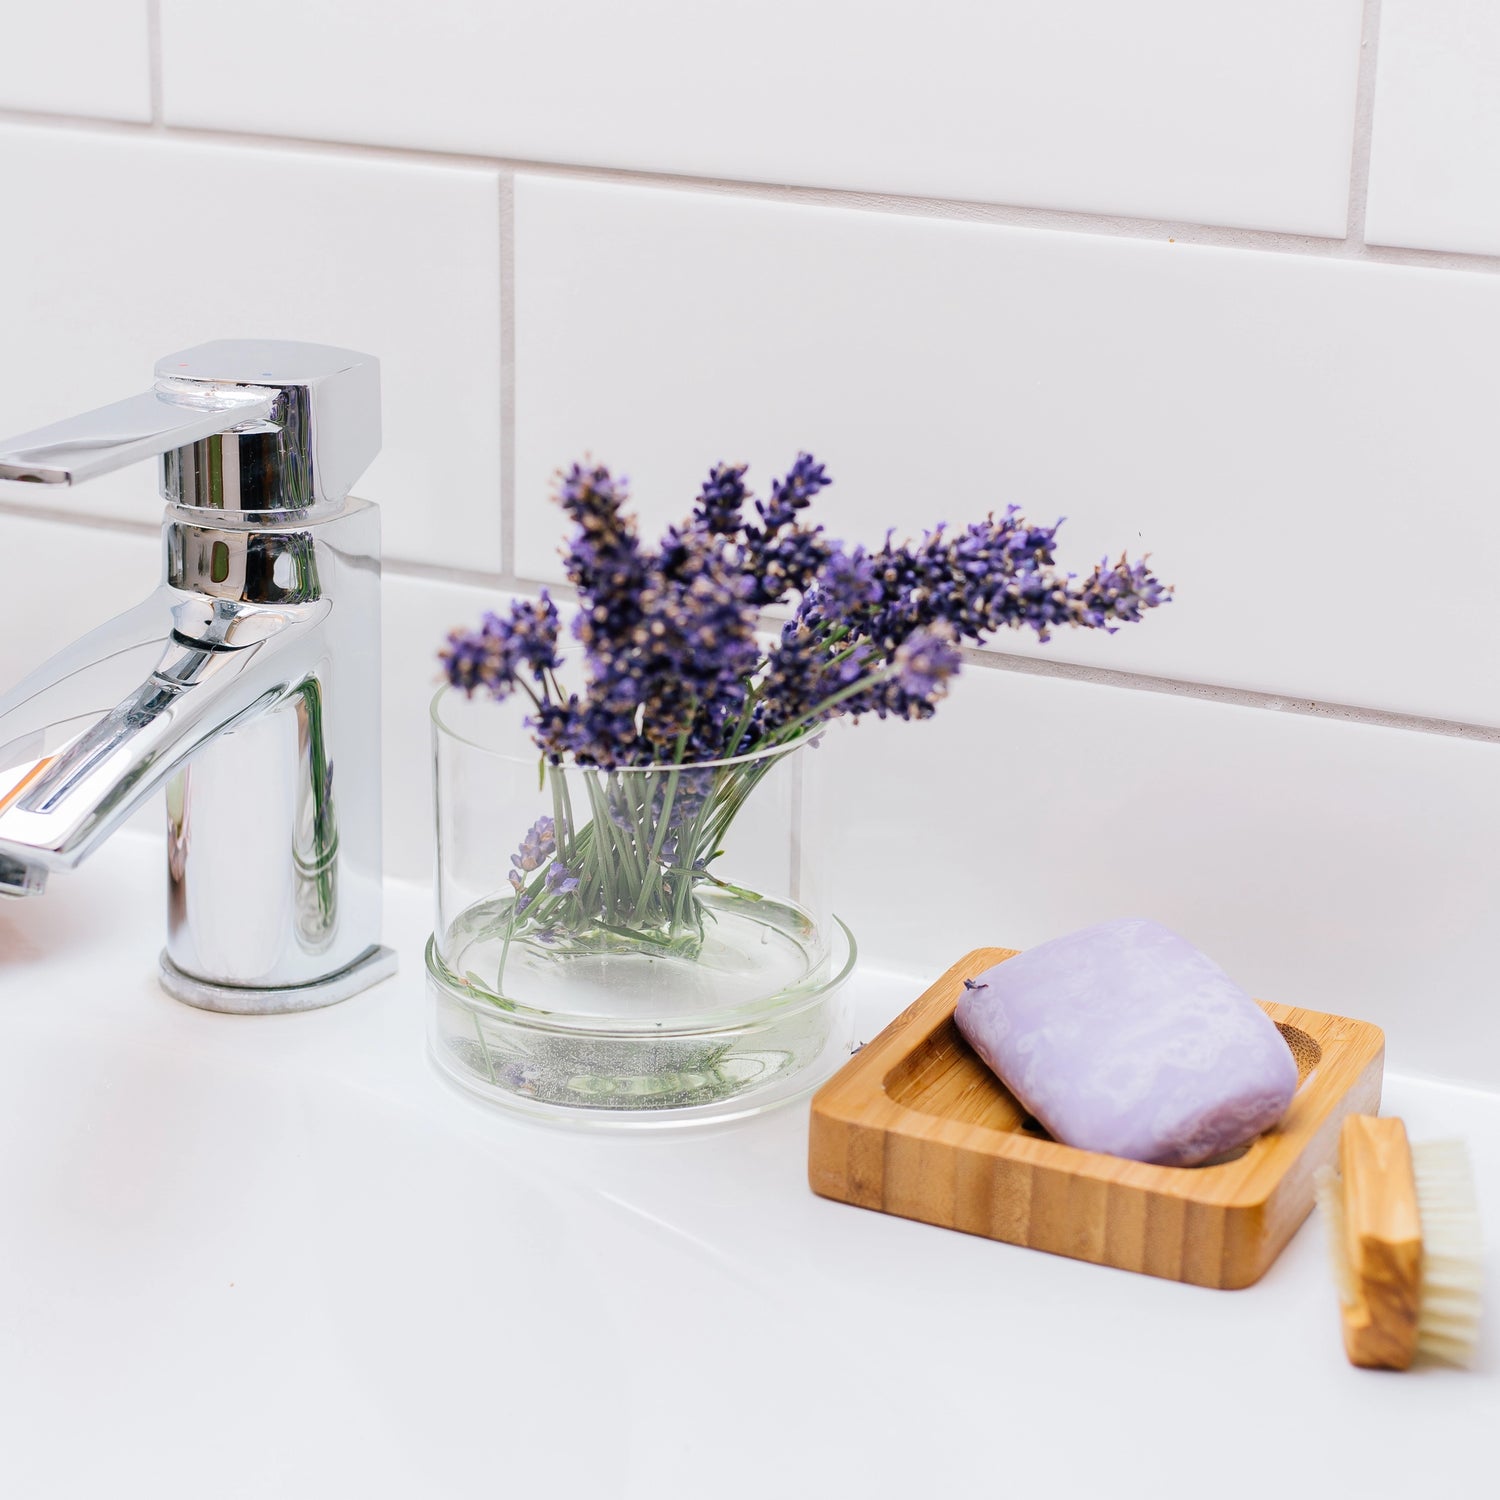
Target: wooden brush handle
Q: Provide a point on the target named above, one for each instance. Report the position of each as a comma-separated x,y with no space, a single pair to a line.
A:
1382,1241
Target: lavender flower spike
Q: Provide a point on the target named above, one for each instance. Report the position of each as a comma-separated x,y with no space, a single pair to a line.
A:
925,661
847,583
676,672
537,847
721,502
489,659
475,660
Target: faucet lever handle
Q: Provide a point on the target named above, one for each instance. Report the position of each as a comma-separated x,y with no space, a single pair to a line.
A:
144,426
240,425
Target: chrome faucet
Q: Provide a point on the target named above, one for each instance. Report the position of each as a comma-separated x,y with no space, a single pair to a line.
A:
248,684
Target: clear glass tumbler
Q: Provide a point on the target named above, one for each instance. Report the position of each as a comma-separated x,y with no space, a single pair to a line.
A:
650,944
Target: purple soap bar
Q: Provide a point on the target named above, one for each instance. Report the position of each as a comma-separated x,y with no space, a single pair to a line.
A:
1124,1038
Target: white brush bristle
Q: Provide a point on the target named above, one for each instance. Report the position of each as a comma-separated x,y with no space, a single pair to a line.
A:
1452,1255
1329,1187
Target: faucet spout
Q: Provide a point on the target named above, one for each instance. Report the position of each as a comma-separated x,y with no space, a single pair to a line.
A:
20,879
66,786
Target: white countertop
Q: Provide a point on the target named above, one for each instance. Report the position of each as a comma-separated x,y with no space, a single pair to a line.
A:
280,1257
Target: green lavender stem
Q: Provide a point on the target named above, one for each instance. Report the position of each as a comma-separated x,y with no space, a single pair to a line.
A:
629,892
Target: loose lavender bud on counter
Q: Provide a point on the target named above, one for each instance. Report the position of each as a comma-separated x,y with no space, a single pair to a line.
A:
1124,1038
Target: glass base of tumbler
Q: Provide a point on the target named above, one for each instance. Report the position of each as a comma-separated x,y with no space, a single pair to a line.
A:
640,1036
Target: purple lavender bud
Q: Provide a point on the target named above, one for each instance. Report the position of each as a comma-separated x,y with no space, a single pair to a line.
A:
1119,592
782,556
846,583
533,629
489,658
803,480
925,662
721,502
604,558
481,660
536,848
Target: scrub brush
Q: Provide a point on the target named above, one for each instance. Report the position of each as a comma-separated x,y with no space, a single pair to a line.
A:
1403,1233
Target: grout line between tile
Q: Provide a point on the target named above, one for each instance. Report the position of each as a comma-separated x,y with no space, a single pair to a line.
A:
153,53
397,567
121,525
129,526
993,661
507,369
1067,221
1145,682
1364,123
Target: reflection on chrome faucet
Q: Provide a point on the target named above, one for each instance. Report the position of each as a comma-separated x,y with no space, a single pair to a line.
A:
317,830
248,685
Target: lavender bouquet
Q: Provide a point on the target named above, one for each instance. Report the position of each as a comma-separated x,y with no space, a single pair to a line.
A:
678,675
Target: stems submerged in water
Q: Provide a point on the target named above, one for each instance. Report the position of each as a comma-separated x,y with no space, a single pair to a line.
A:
629,874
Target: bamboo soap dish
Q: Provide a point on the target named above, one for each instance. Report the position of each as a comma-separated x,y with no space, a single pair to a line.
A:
915,1124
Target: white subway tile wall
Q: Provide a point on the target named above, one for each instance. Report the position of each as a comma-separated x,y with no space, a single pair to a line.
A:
76,57
57,582
1256,422
417,615
1162,108
1343,867
57,576
149,245
1436,154
1291,413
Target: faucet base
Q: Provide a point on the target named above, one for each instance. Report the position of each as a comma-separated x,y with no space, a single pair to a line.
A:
243,1000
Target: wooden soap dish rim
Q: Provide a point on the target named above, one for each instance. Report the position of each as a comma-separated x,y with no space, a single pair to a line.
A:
1266,1191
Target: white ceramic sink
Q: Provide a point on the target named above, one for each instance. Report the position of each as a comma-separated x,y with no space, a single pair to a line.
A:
279,1257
